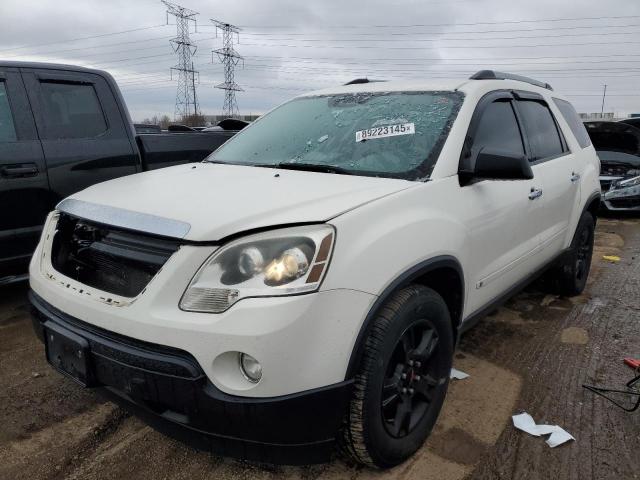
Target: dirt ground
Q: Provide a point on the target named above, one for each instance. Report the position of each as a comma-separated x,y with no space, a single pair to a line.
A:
531,355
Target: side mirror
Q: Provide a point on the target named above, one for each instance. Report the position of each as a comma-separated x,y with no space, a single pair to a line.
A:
497,164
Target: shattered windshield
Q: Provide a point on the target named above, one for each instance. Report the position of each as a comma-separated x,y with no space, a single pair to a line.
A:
398,134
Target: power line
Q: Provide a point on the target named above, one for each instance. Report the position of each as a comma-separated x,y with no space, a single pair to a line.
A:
439,39
512,30
378,47
186,98
229,57
409,34
83,38
501,22
85,48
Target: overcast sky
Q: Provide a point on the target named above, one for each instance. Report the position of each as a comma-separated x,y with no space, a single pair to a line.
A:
291,46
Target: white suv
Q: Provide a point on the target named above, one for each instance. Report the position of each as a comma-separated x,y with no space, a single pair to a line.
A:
307,283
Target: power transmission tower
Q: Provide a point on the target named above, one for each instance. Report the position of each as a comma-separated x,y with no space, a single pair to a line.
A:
229,58
186,98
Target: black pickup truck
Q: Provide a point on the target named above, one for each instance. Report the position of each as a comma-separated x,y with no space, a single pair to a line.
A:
62,129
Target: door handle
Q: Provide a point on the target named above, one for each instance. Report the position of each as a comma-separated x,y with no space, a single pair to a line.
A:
575,177
535,193
18,171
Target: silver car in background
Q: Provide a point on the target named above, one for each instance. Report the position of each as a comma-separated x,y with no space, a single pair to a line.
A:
618,147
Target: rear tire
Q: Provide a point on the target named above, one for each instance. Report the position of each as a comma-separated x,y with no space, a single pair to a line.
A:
570,276
402,379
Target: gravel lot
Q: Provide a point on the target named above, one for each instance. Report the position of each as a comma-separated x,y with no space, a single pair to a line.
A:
531,355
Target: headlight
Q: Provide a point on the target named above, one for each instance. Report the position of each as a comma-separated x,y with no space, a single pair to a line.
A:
278,262
631,182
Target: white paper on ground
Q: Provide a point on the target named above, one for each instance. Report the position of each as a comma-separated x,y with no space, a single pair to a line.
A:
458,375
558,436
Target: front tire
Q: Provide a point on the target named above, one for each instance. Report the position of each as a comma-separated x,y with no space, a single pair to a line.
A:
402,378
570,276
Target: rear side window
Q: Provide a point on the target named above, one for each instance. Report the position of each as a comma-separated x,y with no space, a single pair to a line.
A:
498,130
575,124
72,111
542,132
7,128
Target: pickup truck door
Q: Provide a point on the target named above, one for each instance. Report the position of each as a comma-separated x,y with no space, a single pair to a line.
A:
85,135
503,216
558,167
24,189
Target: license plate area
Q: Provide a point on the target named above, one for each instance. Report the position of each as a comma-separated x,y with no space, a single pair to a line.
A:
68,353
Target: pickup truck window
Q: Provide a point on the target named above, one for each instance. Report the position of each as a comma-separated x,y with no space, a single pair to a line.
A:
7,128
498,129
542,132
575,123
397,135
72,110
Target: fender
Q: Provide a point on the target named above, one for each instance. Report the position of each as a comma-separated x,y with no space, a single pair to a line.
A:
399,282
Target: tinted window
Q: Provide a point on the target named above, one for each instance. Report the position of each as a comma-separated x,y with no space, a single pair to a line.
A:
573,119
397,134
72,111
541,129
7,129
498,130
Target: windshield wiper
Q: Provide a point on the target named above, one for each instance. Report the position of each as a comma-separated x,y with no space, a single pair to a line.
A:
313,167
220,162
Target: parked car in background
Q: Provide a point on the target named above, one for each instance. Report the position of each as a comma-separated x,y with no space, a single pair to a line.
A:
62,129
308,282
618,147
228,124
633,121
147,128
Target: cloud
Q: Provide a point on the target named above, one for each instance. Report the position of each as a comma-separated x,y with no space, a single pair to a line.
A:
292,46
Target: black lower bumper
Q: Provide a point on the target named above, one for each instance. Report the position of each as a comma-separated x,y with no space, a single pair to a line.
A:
168,389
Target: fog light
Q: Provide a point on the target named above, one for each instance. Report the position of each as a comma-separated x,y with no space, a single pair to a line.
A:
250,368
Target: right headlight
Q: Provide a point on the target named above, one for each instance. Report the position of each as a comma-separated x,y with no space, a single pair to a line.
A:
278,262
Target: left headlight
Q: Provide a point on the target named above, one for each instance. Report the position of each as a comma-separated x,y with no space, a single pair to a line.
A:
278,262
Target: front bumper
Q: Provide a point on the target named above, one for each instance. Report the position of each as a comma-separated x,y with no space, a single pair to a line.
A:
167,387
621,199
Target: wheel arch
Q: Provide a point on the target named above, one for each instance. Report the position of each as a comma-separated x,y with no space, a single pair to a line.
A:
592,205
443,274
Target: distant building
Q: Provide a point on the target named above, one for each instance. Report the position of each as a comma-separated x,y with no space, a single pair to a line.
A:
214,119
607,116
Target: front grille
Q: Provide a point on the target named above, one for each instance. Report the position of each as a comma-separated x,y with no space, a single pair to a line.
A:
110,259
625,202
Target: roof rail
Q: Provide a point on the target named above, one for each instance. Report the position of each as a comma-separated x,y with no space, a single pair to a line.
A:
493,75
362,80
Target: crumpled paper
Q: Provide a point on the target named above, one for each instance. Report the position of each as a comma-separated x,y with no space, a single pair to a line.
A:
558,435
458,375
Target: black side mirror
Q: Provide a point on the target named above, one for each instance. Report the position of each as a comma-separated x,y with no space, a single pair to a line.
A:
497,164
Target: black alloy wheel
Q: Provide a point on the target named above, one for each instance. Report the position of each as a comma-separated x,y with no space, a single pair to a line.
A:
410,382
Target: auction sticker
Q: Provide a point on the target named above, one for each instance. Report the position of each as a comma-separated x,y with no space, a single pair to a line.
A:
386,131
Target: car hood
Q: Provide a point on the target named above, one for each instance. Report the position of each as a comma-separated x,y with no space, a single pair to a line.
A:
207,202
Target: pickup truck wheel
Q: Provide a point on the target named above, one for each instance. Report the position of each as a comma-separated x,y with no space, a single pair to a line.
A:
402,379
570,277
